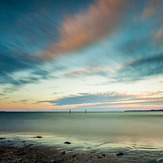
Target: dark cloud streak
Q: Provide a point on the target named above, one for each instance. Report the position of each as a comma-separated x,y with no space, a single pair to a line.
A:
86,98
141,68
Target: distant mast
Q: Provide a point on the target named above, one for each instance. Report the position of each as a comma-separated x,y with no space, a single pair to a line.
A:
85,111
70,111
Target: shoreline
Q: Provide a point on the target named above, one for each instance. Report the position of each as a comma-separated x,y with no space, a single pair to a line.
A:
29,152
34,152
41,154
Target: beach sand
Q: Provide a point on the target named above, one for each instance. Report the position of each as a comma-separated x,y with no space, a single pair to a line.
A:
29,153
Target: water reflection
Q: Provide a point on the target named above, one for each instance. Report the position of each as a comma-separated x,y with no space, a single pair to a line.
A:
133,130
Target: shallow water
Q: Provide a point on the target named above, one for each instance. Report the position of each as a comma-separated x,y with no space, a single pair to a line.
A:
130,130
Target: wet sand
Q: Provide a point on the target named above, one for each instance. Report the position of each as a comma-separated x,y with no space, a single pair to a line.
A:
29,153
50,155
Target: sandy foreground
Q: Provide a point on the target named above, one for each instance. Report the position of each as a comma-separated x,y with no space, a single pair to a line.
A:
28,153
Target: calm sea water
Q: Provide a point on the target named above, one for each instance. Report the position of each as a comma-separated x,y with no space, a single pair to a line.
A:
137,130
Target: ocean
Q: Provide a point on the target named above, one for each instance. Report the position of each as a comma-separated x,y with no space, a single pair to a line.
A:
107,131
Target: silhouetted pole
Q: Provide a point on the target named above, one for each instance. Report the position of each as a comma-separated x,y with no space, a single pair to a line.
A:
85,111
70,111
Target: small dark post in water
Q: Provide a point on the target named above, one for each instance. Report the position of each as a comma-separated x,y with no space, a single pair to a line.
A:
70,111
85,111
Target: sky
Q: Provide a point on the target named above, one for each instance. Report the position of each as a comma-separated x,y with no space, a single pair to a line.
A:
99,55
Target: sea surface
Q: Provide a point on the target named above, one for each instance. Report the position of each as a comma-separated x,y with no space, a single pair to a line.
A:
107,131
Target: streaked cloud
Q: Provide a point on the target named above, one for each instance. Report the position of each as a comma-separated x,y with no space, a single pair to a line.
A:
90,70
151,8
86,27
141,68
85,98
19,70
159,36
148,12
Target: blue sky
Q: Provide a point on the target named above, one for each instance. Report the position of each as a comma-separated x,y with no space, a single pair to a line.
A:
97,55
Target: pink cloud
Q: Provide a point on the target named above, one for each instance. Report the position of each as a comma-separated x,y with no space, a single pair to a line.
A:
148,12
86,70
85,27
151,8
159,35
